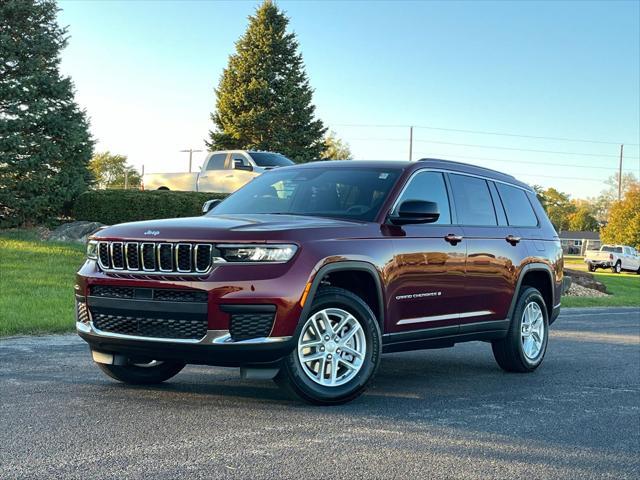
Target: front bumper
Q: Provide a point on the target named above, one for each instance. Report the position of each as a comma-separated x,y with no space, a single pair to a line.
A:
216,348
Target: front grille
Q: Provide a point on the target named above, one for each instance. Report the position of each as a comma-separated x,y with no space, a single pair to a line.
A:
158,294
151,257
245,326
143,326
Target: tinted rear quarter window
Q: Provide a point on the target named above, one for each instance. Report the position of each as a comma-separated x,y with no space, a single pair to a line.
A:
473,201
517,207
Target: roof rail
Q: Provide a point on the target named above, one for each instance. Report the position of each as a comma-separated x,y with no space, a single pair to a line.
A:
452,162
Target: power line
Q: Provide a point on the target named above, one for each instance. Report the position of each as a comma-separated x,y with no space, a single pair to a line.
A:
492,147
483,132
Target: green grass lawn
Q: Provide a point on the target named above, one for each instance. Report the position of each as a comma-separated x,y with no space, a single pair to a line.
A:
36,283
624,289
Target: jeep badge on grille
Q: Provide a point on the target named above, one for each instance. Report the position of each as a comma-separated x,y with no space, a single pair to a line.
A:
155,233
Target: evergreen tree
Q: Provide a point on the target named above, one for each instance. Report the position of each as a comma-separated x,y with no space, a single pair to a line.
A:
45,145
264,97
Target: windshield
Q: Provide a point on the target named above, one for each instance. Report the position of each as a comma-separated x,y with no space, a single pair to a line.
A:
349,193
264,159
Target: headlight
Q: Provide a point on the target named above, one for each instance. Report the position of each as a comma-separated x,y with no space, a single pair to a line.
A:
92,250
257,253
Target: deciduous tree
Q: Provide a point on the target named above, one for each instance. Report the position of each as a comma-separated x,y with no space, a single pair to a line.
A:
335,148
111,170
624,220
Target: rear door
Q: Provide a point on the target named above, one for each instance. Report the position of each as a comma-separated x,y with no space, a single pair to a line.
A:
426,285
630,259
491,260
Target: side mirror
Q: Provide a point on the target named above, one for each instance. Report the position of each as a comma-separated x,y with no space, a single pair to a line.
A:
416,211
239,164
210,205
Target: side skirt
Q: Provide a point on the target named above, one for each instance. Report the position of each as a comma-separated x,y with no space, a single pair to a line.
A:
444,337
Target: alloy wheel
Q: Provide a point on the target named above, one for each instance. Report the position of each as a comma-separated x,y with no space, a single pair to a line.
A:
332,347
532,331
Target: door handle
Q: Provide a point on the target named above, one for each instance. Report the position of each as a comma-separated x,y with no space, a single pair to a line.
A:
513,240
453,239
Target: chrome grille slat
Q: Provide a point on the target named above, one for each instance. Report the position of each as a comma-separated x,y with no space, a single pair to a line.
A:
116,251
165,257
155,258
183,257
132,255
148,257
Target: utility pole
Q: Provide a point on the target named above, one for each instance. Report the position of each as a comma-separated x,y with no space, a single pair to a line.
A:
620,174
411,143
190,150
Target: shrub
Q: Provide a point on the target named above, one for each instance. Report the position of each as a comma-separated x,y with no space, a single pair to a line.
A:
118,206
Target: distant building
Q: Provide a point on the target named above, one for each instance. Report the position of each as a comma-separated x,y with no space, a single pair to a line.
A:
576,243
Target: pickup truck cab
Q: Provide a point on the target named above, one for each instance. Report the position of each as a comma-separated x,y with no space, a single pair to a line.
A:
308,274
615,257
221,172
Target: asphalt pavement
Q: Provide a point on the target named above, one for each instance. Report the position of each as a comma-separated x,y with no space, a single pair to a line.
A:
448,413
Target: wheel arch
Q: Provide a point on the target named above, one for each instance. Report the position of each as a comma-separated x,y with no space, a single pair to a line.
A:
540,276
338,273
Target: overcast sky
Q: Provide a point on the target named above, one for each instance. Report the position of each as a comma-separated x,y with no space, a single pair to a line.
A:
145,73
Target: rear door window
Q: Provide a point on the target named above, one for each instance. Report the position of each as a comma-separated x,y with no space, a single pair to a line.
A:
473,201
428,186
517,207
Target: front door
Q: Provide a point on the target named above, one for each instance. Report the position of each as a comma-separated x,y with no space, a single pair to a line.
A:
428,278
215,175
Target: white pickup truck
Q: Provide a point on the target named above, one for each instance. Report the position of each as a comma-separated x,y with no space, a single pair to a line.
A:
615,257
221,172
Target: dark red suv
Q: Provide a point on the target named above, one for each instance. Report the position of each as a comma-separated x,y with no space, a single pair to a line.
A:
309,273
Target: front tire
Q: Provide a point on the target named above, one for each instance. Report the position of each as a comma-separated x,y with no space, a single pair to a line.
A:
142,374
617,268
337,350
525,345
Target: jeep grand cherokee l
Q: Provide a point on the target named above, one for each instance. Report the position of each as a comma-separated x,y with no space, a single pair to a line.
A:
309,273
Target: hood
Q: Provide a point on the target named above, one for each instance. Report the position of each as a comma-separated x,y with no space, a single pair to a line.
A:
258,227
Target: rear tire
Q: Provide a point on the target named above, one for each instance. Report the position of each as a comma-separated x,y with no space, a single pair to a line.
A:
142,375
525,345
617,268
591,268
334,365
